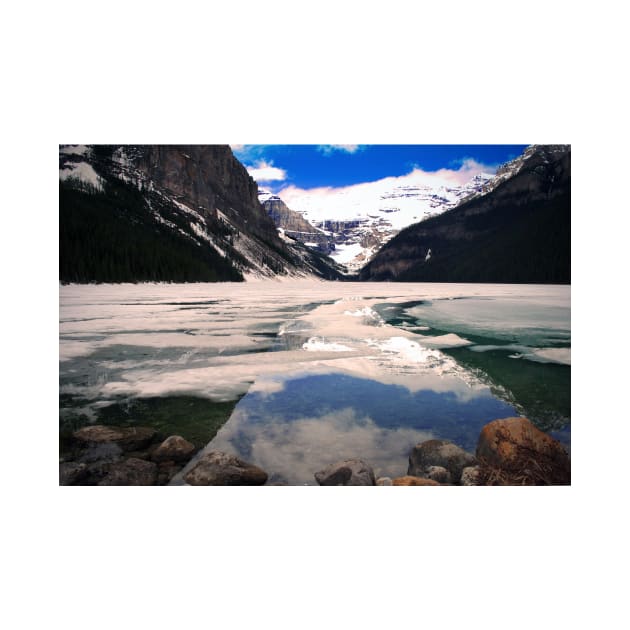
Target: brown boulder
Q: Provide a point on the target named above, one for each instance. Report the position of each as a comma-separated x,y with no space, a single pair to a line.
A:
222,469
128,438
512,451
409,480
174,448
131,472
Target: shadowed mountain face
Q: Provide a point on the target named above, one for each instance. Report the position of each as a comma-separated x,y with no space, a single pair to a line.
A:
517,231
168,213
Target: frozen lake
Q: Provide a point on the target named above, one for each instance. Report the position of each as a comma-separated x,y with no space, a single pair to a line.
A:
301,373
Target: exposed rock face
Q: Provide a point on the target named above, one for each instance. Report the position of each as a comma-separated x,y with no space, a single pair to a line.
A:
439,453
293,223
351,472
222,469
127,438
410,480
131,472
512,451
174,448
516,229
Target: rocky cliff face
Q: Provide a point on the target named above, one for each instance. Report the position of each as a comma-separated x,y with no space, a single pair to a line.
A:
517,229
167,212
293,224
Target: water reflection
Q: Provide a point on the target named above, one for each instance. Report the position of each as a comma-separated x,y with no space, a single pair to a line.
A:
301,425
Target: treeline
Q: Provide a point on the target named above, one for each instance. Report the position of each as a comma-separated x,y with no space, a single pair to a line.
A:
113,238
530,244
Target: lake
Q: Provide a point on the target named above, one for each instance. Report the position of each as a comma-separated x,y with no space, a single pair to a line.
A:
293,375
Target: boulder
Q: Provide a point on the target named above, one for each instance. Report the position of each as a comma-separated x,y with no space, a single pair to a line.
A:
410,480
470,476
72,472
439,474
384,481
350,472
174,448
439,453
131,472
512,451
128,438
222,469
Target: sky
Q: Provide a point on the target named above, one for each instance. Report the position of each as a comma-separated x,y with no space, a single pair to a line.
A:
304,167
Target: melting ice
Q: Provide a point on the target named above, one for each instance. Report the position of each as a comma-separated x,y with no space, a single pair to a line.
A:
327,369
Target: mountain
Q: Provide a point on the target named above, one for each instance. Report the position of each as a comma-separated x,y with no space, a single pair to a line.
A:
516,228
168,213
293,224
359,220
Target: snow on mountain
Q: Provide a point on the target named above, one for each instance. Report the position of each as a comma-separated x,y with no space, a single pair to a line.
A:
360,219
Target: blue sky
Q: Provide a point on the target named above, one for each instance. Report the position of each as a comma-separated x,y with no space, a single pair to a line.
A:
276,167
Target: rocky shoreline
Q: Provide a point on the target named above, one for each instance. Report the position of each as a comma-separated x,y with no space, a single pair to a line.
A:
510,451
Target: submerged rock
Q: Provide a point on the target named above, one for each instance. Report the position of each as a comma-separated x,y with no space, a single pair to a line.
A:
174,448
222,469
409,480
512,451
128,438
351,472
439,453
131,472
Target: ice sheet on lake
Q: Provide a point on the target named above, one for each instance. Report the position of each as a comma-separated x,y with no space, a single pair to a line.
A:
217,340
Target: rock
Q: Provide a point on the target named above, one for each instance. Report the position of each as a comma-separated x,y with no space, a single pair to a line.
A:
72,472
470,476
351,472
384,481
409,480
512,451
166,471
101,452
128,438
131,472
174,448
439,474
222,469
439,453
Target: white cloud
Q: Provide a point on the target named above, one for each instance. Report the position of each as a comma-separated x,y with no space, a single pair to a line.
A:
328,149
265,171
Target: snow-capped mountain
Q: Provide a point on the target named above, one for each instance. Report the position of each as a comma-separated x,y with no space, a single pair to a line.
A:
360,219
170,213
516,229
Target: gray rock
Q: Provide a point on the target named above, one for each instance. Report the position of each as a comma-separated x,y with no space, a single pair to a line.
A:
439,453
128,438
131,472
439,474
71,473
222,469
351,472
470,476
174,448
